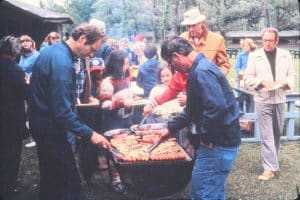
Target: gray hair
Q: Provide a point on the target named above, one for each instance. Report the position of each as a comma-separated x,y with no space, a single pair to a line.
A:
270,30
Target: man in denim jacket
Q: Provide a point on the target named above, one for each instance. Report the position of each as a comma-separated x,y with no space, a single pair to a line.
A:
212,107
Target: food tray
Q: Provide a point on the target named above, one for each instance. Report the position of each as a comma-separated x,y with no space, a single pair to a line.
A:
136,102
274,87
114,132
146,128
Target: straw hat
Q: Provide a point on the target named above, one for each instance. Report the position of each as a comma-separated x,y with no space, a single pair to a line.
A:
192,17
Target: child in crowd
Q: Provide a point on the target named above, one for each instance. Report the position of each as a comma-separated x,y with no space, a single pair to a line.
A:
164,76
97,69
115,88
124,45
163,112
146,77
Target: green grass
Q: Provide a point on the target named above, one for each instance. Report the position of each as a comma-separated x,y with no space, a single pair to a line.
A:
242,183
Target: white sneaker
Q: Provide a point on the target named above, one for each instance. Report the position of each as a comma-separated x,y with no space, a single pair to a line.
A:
27,124
30,144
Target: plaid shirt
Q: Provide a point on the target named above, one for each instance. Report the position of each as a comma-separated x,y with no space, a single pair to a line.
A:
80,77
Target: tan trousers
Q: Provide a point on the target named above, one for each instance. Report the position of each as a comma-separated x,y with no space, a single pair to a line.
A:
270,122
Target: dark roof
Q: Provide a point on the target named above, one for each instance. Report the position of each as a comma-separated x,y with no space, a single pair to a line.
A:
256,34
39,13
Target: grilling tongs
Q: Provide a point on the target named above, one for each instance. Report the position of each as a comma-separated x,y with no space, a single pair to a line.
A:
116,152
153,146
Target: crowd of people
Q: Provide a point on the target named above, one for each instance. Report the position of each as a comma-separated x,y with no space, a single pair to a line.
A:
44,87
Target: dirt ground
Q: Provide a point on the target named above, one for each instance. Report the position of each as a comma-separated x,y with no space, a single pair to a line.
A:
98,189
242,183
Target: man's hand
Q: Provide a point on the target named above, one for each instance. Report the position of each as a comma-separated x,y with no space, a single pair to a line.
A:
284,85
127,104
163,133
93,100
225,70
181,97
100,141
267,84
148,109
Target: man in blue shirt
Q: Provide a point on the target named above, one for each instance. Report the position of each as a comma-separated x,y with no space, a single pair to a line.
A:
53,113
212,107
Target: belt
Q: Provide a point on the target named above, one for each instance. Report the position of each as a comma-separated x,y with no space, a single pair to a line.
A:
210,145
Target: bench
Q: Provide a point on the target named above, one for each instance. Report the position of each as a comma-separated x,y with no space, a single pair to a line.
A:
290,116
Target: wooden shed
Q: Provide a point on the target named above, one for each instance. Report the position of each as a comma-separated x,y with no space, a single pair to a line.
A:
19,18
290,37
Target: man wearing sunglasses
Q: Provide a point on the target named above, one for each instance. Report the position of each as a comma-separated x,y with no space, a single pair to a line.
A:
212,107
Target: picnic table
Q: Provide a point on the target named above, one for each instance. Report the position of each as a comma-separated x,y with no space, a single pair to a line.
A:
291,114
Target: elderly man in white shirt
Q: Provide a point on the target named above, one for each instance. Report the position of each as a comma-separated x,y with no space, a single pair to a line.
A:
270,72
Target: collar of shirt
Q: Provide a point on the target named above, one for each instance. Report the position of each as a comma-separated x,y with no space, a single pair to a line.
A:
196,61
71,52
202,39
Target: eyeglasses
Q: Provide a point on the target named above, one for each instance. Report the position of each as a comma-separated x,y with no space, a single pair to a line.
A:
93,49
269,41
54,38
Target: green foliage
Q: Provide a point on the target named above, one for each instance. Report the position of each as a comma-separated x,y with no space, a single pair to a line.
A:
127,18
80,10
284,15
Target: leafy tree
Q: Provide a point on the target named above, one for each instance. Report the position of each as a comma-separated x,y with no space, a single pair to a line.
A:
285,16
126,18
80,10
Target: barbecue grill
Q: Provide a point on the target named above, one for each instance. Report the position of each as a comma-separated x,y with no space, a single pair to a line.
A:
154,178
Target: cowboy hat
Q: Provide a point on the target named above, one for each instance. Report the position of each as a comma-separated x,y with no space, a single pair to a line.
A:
192,17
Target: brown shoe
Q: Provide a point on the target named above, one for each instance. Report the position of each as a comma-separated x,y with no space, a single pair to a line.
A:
266,175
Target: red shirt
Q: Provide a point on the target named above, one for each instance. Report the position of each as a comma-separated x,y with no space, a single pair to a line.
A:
178,84
213,47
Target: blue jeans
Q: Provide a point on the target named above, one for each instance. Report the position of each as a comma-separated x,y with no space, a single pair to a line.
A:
210,172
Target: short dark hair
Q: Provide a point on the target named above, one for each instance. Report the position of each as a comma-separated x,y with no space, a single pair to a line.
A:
175,45
150,51
91,31
10,45
115,64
